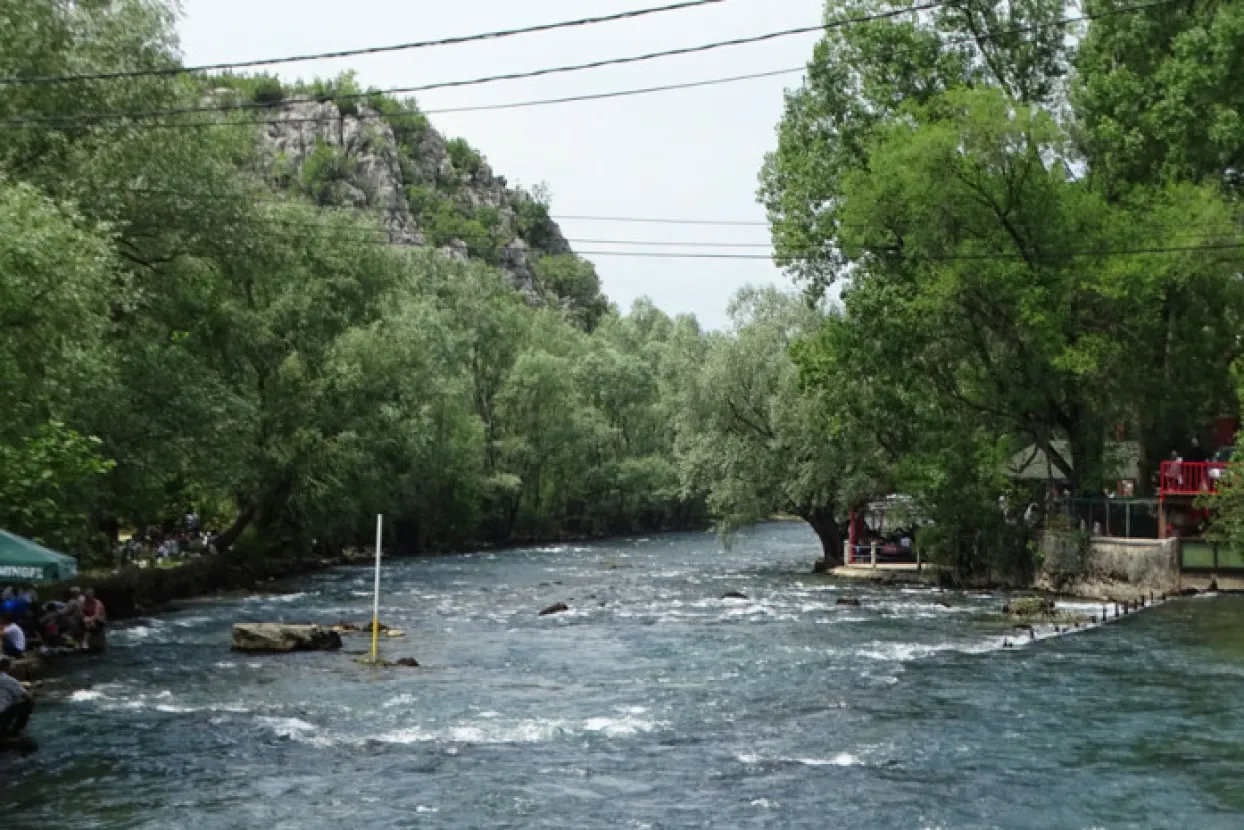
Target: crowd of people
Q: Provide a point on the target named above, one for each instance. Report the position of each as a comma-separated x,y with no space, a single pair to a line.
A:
154,547
75,622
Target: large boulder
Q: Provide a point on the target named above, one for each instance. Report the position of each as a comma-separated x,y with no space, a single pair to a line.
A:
281,637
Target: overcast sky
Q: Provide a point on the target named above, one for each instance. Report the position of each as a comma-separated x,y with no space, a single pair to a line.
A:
688,154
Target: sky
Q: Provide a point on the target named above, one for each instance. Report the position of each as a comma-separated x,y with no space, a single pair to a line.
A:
686,154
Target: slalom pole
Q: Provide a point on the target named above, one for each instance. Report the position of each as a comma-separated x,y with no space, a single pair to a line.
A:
375,611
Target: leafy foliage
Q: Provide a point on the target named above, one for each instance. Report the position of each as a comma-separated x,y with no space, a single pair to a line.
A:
992,239
247,357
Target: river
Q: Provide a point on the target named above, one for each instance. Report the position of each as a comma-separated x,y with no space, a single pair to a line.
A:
652,703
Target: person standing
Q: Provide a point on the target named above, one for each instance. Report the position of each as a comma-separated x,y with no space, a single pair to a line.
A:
93,619
1197,454
16,704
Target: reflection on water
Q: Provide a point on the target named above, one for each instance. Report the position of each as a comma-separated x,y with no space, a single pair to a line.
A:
652,703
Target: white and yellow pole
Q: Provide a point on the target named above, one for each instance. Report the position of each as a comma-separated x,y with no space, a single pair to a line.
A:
375,609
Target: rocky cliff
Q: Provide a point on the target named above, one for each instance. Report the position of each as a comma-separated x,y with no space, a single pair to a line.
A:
384,157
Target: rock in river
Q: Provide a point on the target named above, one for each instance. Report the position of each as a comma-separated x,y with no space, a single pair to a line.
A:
1041,609
848,601
1029,606
733,595
555,608
280,637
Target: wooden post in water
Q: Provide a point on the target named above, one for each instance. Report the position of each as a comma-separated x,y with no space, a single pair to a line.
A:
873,555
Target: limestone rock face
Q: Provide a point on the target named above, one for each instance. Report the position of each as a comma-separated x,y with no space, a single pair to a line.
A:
281,638
377,173
372,179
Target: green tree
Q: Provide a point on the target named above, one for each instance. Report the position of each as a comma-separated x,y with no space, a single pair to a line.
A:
753,442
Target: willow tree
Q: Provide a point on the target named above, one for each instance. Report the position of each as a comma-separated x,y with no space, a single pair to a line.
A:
753,441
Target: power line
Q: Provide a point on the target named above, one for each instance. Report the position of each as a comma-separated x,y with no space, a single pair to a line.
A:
350,211
535,73
655,221
1092,253
1003,256
569,99
54,121
70,118
346,53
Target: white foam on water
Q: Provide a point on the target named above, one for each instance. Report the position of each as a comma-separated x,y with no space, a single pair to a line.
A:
287,727
905,652
618,727
842,759
419,808
280,597
84,695
491,729
763,803
401,700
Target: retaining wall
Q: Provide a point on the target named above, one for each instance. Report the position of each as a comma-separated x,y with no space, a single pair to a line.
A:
1108,568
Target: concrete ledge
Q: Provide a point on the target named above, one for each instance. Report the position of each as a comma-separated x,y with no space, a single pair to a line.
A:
887,573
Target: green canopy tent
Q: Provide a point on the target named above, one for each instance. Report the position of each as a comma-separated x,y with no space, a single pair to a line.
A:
22,560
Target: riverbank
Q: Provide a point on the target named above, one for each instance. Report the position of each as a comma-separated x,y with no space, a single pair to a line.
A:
136,592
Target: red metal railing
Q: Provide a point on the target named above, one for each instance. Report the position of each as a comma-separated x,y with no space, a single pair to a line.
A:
1190,478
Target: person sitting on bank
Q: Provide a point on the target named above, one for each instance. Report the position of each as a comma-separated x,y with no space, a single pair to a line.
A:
16,704
14,637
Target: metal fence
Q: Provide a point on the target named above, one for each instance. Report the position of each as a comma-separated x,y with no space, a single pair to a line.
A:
1121,518
882,554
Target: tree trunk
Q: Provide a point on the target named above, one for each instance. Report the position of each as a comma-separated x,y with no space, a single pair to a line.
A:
224,541
259,512
829,531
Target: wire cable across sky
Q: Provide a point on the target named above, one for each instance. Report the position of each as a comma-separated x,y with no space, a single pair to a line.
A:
348,53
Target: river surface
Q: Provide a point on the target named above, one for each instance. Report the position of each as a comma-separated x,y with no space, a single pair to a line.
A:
652,703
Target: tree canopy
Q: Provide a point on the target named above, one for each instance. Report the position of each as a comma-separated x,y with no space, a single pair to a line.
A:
1022,253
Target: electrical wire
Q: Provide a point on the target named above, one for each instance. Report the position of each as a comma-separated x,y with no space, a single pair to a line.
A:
68,119
511,76
349,235
347,53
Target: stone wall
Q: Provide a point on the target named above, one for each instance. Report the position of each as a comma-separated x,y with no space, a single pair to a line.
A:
1108,568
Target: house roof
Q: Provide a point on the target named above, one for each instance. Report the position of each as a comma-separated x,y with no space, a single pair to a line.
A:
1029,464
